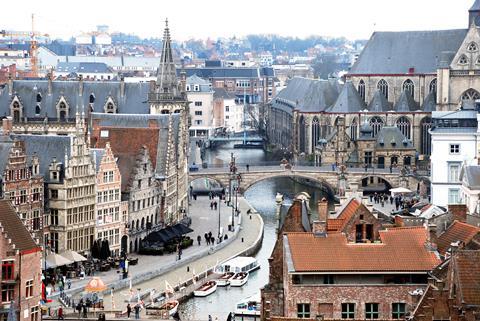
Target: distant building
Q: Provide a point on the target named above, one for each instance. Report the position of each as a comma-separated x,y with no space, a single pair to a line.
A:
470,190
86,70
200,94
228,113
21,278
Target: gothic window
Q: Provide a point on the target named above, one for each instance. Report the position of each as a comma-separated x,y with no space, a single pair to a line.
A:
353,129
426,139
409,87
463,60
383,87
404,125
37,110
91,98
110,108
472,47
39,98
16,111
433,85
361,89
301,134
376,123
470,94
62,111
315,132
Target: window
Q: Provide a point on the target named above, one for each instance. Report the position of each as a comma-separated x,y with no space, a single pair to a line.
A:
198,113
348,310
453,196
198,103
371,310
409,87
8,268
426,138
23,196
303,310
433,85
376,123
471,94
34,313
37,110
198,122
196,87
54,217
54,193
328,279
361,89
463,60
455,149
472,47
315,133
7,292
29,288
403,123
383,87
104,133
398,310
454,172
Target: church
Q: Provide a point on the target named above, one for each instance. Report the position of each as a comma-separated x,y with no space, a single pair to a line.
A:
397,81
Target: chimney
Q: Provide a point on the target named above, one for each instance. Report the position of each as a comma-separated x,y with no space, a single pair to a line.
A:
152,86
80,85
49,76
459,212
320,226
7,125
122,87
399,221
10,84
432,237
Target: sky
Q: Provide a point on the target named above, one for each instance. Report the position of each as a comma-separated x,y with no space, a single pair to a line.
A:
200,19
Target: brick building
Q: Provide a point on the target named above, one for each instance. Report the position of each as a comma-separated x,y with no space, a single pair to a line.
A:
112,212
21,271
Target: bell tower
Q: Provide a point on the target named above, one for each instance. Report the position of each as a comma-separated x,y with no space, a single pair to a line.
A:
474,14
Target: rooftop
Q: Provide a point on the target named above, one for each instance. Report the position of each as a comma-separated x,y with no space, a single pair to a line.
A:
14,228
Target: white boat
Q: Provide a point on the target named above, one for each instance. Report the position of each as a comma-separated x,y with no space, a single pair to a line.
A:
170,306
225,278
164,311
206,289
239,279
250,306
238,264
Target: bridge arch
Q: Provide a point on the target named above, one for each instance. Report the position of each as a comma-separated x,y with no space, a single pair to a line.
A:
205,184
370,183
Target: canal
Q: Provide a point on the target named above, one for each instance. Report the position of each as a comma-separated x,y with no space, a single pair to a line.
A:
262,197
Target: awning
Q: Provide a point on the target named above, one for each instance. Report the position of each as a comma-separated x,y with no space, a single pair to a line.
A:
53,260
400,190
73,256
168,233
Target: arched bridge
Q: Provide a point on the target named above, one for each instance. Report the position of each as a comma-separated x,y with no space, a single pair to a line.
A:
328,177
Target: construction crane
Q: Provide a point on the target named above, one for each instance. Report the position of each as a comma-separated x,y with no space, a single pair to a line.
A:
33,45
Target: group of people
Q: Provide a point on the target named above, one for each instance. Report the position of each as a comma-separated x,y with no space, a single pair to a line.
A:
382,199
136,308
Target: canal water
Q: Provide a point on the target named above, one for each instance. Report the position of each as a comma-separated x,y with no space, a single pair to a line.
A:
262,197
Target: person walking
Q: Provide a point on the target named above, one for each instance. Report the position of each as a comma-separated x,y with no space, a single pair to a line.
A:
137,311
69,283
206,238
248,168
129,310
60,314
199,240
211,205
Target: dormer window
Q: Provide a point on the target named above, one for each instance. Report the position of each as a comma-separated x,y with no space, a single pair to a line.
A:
463,60
110,108
62,109
91,98
196,88
187,88
472,47
16,111
37,109
39,97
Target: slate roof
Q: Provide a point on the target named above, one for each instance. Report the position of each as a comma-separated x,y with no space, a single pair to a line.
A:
133,102
471,176
229,72
349,101
389,134
83,67
308,95
406,103
6,144
430,102
97,155
221,93
46,147
458,231
400,250
475,6
379,103
397,52
466,266
14,228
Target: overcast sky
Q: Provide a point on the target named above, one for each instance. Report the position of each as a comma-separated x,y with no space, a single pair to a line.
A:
354,19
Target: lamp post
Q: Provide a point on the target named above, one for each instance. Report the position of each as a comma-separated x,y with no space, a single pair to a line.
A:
219,202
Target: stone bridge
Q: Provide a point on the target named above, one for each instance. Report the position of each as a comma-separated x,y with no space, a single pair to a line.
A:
330,180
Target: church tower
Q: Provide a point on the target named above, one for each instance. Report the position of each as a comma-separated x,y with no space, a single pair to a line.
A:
474,14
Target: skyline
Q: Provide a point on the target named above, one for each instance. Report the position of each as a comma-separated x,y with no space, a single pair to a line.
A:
190,19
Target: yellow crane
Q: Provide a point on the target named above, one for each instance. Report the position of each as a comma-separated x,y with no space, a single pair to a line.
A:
33,44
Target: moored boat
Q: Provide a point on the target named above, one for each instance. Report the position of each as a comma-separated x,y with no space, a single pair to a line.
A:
250,306
238,264
239,279
206,289
225,278
170,306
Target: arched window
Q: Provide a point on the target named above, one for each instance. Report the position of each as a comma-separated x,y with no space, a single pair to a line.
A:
62,111
472,47
383,87
37,110
315,133
376,123
471,94
91,98
138,224
354,129
301,134
361,89
403,123
143,223
110,108
433,86
39,97
409,87
17,113
463,60
426,139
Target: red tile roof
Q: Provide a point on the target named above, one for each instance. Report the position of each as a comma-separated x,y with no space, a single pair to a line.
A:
458,231
466,265
338,224
400,250
14,228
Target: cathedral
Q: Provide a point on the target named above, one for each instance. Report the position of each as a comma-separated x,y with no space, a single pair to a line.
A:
381,114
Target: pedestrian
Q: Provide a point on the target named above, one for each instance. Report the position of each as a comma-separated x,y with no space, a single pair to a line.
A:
211,205
206,238
333,167
179,253
248,168
129,311
60,313
391,200
69,283
199,240
137,311
366,167
210,196
212,240
215,204
84,307
210,234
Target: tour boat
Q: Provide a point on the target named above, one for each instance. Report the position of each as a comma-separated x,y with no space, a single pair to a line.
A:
170,306
225,278
250,306
239,279
239,264
206,289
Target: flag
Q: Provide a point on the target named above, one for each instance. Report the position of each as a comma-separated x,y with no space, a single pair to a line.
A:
168,288
194,280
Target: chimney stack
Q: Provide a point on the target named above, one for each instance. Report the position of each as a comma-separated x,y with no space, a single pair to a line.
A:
122,87
10,84
320,226
432,236
80,85
49,76
7,125
459,212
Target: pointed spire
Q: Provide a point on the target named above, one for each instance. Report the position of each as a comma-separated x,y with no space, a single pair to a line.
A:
475,6
167,75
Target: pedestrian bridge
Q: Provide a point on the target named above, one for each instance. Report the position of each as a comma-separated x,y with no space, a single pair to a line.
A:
328,177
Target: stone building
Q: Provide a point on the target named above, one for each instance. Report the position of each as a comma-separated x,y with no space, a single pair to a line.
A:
200,94
21,278
391,84
112,212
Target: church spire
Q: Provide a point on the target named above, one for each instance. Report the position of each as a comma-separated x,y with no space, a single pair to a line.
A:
474,14
166,74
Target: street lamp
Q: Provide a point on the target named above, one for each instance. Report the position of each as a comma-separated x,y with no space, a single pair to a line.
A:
219,202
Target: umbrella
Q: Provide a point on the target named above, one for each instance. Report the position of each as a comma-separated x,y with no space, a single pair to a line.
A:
182,229
400,190
54,260
12,316
95,250
73,256
95,285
